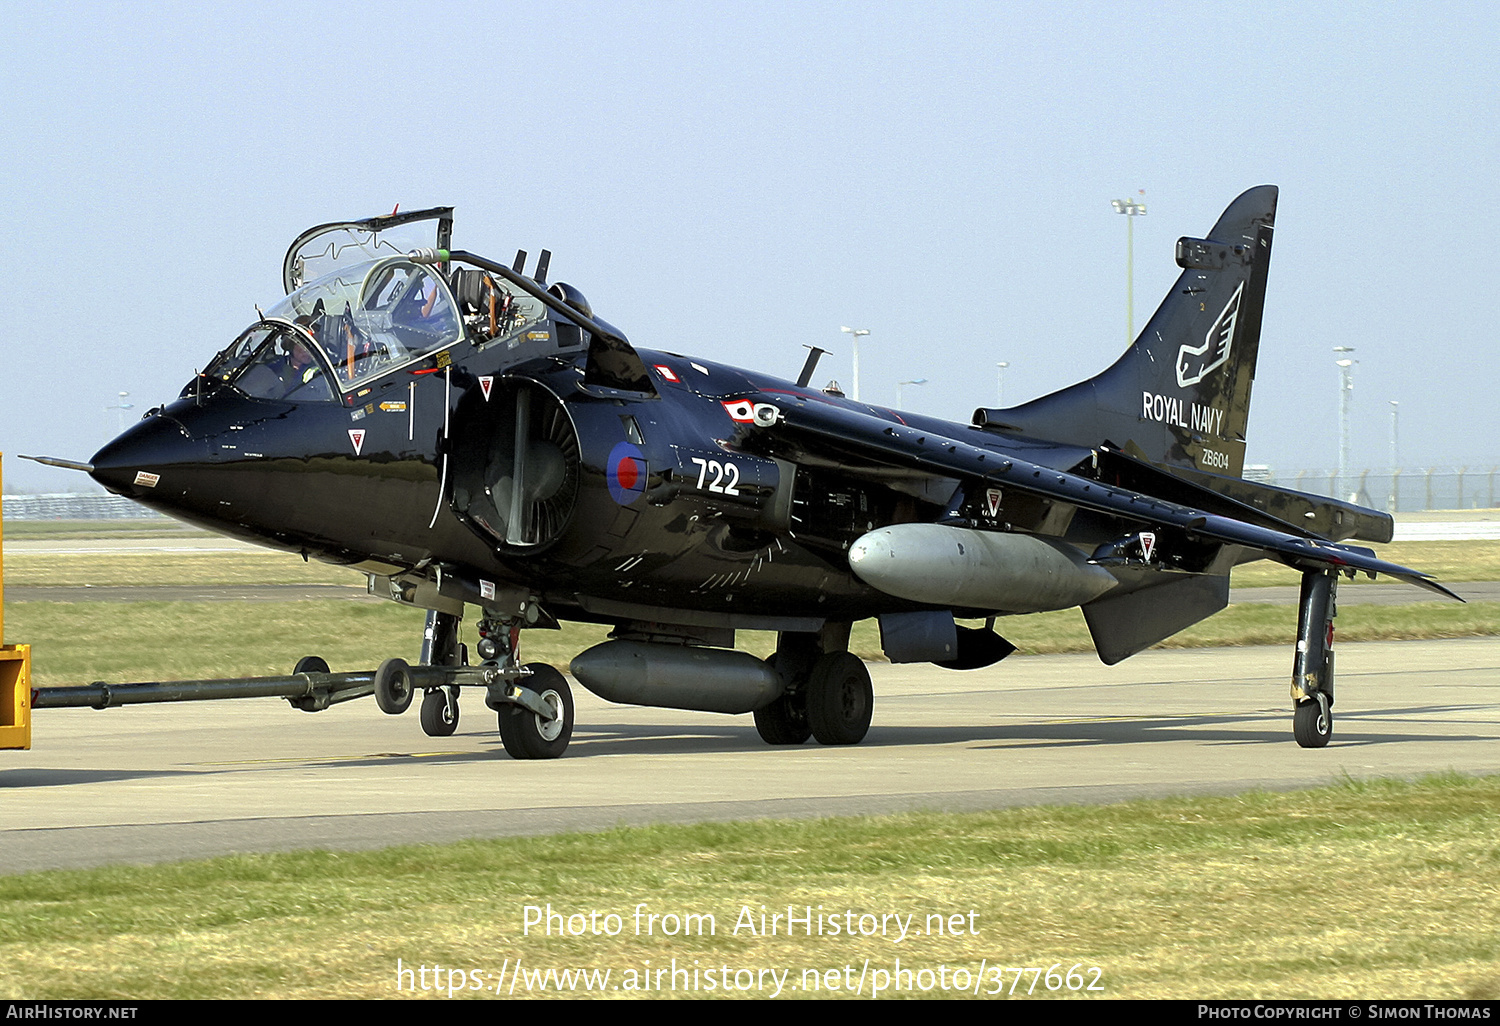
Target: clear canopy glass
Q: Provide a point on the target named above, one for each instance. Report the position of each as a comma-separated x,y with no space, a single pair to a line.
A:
374,317
365,320
272,360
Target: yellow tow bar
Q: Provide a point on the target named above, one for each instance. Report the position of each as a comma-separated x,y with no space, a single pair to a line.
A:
15,675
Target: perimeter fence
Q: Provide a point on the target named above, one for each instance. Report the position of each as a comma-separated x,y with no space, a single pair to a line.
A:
71,506
1403,490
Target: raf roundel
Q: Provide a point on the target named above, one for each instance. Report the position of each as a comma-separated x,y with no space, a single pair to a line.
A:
626,473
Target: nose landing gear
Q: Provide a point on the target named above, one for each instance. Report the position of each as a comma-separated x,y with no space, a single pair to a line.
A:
533,702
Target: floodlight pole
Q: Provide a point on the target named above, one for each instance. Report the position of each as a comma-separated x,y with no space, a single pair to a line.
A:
1000,383
856,334
120,408
1395,454
1346,394
1131,209
901,384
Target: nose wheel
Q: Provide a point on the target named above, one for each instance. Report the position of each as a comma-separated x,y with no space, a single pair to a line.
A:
439,713
531,735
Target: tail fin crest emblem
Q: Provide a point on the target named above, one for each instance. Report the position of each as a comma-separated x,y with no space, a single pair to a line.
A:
1194,363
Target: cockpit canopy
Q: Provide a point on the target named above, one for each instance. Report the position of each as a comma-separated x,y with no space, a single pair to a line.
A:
354,323
375,316
358,307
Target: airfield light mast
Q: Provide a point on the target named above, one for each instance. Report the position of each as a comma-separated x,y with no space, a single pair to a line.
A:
1000,383
856,333
120,408
901,384
1395,454
1346,394
1131,209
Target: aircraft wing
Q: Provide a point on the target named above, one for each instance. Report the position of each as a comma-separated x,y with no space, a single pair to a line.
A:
812,426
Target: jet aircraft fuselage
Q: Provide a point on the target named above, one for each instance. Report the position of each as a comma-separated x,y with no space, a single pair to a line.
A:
471,437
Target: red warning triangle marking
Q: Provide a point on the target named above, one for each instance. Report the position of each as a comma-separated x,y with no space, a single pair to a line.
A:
1148,544
357,436
992,500
486,383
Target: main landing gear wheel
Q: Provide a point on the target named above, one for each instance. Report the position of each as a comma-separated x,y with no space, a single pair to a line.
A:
439,712
529,736
839,699
393,690
1312,724
784,721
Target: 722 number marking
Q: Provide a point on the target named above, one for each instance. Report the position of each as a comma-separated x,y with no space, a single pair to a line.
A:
726,476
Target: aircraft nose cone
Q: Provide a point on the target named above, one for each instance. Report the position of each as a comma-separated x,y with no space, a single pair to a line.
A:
141,462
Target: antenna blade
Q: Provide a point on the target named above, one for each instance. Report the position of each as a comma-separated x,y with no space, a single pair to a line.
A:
814,354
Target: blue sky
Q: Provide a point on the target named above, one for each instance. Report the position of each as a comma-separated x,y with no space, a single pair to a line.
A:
738,180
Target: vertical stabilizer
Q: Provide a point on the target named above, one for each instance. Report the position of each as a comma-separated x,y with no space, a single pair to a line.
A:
1180,395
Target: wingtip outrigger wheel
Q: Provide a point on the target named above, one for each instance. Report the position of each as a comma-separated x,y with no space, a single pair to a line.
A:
1312,670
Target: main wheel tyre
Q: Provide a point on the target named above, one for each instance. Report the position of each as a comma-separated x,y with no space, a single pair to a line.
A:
311,664
784,721
393,688
529,736
440,712
839,700
1311,726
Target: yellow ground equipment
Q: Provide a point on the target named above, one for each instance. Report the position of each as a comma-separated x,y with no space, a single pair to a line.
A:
15,675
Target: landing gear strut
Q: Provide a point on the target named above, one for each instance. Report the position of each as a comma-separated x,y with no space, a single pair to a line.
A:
784,721
828,694
534,703
1312,670
440,647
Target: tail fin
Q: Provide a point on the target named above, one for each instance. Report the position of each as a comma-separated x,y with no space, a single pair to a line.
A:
1180,395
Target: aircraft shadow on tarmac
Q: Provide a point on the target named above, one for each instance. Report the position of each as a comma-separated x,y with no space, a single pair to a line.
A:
19,778
614,739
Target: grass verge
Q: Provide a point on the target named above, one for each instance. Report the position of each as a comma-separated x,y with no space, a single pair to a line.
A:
155,527
1385,889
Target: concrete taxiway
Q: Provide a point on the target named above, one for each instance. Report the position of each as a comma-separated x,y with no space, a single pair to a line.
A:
155,783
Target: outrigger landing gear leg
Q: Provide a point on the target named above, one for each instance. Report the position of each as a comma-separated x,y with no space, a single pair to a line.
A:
533,702
440,647
1312,670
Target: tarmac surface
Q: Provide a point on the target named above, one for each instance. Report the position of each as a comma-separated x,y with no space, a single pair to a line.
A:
167,782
